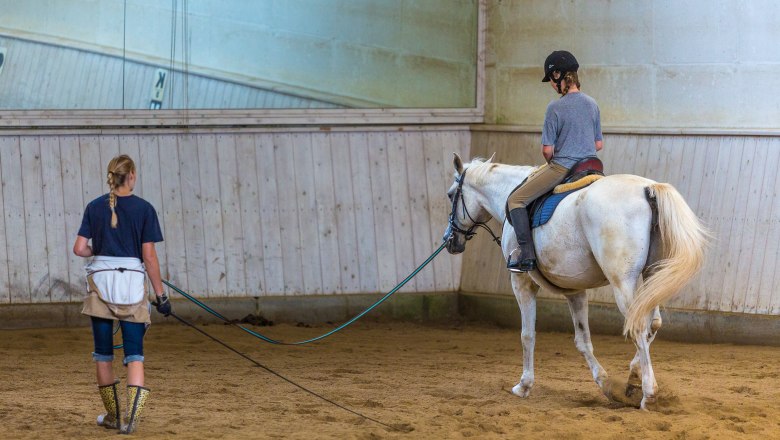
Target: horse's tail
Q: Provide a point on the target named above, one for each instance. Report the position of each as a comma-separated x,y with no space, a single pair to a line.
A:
683,239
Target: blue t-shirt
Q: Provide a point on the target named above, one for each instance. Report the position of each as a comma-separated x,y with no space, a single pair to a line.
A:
137,224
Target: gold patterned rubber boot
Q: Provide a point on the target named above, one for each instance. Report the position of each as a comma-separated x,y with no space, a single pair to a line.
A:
136,399
111,419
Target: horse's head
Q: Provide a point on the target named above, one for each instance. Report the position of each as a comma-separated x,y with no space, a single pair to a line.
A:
466,213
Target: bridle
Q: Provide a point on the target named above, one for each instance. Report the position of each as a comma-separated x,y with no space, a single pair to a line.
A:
468,233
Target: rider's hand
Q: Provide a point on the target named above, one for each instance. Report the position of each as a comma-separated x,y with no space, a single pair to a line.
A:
163,305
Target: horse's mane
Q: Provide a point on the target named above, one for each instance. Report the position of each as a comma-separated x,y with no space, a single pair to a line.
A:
479,168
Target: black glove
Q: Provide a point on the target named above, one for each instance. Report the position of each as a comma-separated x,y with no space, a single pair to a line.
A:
163,305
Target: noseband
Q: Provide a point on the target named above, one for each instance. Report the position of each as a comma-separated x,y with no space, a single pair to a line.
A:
468,233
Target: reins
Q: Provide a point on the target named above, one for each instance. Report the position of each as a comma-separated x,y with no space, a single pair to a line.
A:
262,337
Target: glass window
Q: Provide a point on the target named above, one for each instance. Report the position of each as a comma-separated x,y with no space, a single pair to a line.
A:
238,54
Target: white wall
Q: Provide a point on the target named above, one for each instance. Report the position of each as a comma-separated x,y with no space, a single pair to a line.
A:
650,64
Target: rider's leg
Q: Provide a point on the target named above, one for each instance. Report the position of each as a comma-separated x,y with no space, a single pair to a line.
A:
540,182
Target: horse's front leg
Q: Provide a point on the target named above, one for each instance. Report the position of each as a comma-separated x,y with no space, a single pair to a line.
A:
578,306
525,292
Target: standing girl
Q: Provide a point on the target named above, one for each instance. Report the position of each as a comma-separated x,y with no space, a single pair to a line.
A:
123,229
571,132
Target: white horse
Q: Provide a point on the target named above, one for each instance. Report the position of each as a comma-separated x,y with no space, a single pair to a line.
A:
633,233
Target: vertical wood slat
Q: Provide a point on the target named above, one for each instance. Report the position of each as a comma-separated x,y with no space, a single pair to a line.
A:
251,224
284,160
193,226
324,193
209,198
92,169
6,144
364,216
727,208
15,222
35,223
171,210
57,248
435,183
418,205
349,269
233,238
382,211
767,280
273,258
73,202
745,250
400,202
712,182
306,213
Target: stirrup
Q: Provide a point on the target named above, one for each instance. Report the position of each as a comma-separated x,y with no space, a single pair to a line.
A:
519,265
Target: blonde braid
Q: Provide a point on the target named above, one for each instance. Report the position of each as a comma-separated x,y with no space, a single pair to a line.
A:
112,199
118,170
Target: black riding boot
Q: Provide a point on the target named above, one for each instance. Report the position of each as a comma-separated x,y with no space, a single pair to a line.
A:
526,261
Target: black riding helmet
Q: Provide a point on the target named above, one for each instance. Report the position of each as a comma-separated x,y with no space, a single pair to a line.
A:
561,61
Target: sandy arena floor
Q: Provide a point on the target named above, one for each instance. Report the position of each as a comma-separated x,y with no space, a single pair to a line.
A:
432,382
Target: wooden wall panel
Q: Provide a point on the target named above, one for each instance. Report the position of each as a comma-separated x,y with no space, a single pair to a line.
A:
245,213
35,223
15,221
355,210
57,246
273,259
73,201
729,181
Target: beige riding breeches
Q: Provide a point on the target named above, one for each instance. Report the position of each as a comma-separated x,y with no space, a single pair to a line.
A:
539,182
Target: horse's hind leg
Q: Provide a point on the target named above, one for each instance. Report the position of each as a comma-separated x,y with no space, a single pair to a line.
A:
635,371
641,365
525,292
578,306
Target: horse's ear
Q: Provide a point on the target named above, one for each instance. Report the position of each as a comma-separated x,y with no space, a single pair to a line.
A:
492,157
458,163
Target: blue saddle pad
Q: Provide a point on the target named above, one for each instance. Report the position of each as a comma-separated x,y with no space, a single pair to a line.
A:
542,212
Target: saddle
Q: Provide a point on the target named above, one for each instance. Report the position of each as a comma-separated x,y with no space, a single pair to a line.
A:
582,174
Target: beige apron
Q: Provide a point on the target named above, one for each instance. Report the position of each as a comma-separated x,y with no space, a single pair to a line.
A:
116,288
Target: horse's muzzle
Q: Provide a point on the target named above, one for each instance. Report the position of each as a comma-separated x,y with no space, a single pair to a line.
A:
452,244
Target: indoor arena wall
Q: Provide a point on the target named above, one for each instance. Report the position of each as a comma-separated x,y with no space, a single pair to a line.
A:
252,213
729,181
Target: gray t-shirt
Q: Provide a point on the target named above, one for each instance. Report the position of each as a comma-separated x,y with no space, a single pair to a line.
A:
572,125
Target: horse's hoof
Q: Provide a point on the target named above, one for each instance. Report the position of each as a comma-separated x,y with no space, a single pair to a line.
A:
632,389
617,391
647,403
521,390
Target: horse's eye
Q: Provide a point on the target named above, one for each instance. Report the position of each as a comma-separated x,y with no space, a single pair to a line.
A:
449,196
